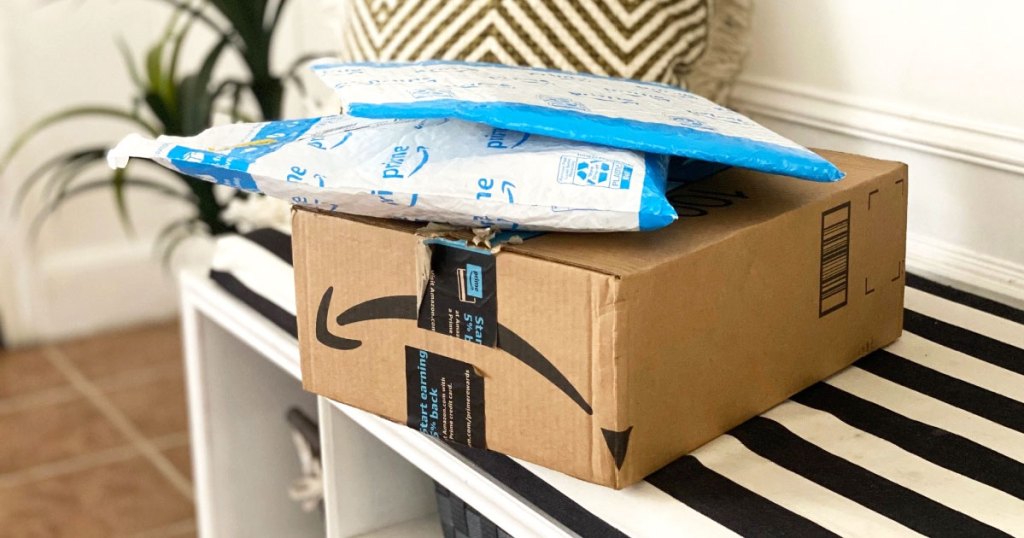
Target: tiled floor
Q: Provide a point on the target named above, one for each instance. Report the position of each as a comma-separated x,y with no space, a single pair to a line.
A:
94,438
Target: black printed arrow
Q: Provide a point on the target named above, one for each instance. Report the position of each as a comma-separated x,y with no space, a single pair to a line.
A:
617,443
323,334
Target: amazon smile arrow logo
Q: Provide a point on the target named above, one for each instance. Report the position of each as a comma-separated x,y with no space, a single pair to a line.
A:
404,307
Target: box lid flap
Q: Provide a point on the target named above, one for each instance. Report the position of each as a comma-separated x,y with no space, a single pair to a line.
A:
708,215
761,196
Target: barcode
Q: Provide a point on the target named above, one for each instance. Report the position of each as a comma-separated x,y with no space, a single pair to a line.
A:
835,259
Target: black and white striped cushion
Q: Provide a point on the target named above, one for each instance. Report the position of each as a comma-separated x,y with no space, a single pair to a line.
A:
924,437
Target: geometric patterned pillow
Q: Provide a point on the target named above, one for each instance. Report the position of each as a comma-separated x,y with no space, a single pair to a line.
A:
653,40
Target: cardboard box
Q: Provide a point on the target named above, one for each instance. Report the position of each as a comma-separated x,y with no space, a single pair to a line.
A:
607,356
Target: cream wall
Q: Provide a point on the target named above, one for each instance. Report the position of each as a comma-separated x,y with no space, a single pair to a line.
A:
82,270
84,273
934,83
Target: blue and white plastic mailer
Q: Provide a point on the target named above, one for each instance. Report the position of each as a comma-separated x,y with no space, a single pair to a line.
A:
621,113
437,170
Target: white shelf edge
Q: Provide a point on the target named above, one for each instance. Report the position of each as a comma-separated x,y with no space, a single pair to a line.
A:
428,525
501,506
241,321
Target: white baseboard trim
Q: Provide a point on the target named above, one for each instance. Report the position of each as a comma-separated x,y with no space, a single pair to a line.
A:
970,271
994,146
95,288
991,146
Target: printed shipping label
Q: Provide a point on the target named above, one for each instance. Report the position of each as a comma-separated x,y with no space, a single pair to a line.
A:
445,398
461,296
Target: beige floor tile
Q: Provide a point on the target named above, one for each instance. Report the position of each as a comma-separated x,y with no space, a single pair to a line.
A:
181,529
117,499
24,372
181,457
157,408
44,434
115,353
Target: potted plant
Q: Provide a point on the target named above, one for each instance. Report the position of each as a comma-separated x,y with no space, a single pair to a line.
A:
170,100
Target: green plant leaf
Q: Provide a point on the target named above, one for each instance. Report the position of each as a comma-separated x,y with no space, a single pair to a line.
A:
174,242
196,96
201,16
171,123
234,85
301,61
38,176
129,63
171,235
246,17
117,181
292,73
236,105
154,73
297,82
118,176
233,89
209,209
133,182
65,115
183,105
63,177
61,186
179,41
272,24
161,80
170,228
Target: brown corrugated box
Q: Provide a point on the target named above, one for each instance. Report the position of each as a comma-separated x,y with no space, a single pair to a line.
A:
615,353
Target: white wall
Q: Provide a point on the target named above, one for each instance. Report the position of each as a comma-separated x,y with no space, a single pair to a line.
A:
934,83
84,273
8,284
82,269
